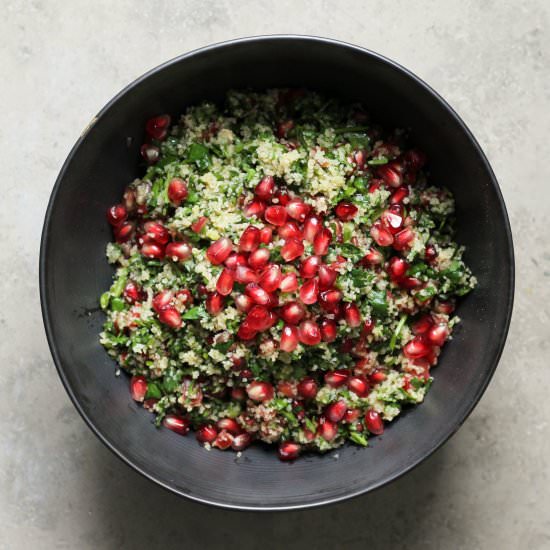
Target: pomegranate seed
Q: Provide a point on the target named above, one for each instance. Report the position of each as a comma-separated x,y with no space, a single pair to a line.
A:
312,226
228,424
138,388
206,434
271,278
380,234
116,214
155,232
377,377
157,127
292,313
245,275
360,159
170,317
399,194
375,185
185,297
415,159
254,208
275,215
410,282
241,441
336,378
438,334
374,422
235,259
257,293
327,429
368,327
328,330
224,284
422,325
260,391
214,303
149,153
430,253
372,257
390,175
309,267
289,450
152,250
243,302
273,300
219,251
177,191
351,415
124,232
198,225
131,292
289,338
309,333
223,441
359,386
392,221
162,300
259,318
327,277
336,411
346,211
322,241
397,268
266,235
403,239
178,251
329,299
307,388
289,283
283,128
259,258
265,189
444,307
246,332
238,394
290,230
176,423
309,291
281,198
352,315
292,249
202,290
250,239
415,349
298,210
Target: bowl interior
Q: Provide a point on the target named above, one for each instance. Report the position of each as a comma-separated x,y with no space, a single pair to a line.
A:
74,272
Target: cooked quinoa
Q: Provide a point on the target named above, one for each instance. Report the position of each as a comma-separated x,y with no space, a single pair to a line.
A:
284,272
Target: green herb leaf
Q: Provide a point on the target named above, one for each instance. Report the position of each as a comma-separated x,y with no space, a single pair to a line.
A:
351,251
104,300
117,304
397,331
153,391
378,161
358,438
194,313
378,303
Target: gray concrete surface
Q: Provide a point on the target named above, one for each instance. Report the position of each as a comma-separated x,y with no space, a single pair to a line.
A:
60,488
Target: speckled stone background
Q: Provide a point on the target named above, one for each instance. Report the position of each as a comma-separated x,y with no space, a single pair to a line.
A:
61,62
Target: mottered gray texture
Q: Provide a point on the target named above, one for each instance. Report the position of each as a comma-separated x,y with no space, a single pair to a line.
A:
60,488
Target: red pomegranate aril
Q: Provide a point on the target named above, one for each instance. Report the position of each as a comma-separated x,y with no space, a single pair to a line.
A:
374,422
309,333
286,388
198,225
271,278
309,267
336,378
170,317
444,307
178,251
403,239
346,211
292,313
131,292
309,291
177,191
377,377
185,297
397,268
259,318
246,332
214,303
359,386
399,195
257,293
265,189
327,429
327,277
307,388
254,208
410,283
336,411
224,284
438,334
260,391
250,239
124,232
351,415
312,226
415,159
290,230
372,257
219,251
259,258
392,221
352,314
289,338
380,234
360,159
266,235
150,153
245,275
368,327
138,388
228,424
390,175
422,325
292,249
328,330
322,241
243,302
162,300
176,423
223,441
430,253
284,127
206,434
415,349
329,299
235,259
238,394
289,450
298,210
157,126
155,232
289,282
241,442
153,251
116,214
273,300
275,215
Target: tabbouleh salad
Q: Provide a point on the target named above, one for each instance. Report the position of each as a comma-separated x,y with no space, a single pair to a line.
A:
284,273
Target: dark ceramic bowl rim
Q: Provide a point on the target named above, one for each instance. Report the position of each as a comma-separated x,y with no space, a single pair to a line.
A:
44,262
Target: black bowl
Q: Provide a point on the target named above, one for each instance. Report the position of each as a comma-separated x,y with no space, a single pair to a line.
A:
74,272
